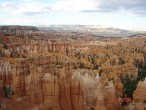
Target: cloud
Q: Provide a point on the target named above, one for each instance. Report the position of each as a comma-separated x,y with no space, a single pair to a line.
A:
75,5
23,8
24,12
100,5
35,7
116,13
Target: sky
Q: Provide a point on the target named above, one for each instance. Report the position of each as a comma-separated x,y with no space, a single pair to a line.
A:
124,14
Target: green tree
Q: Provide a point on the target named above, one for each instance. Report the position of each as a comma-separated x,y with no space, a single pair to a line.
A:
1,41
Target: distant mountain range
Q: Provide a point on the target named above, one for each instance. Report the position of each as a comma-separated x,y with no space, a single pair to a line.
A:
98,30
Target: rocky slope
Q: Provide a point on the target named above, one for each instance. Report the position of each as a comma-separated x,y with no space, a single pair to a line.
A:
17,30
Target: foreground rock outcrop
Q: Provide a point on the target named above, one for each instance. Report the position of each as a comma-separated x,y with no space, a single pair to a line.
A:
39,82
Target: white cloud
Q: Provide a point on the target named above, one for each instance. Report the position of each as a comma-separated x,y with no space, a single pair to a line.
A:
33,8
17,13
99,5
24,8
37,7
75,5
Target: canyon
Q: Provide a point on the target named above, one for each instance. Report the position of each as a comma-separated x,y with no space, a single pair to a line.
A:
42,70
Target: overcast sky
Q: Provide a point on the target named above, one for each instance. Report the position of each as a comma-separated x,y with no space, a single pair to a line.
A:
125,14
